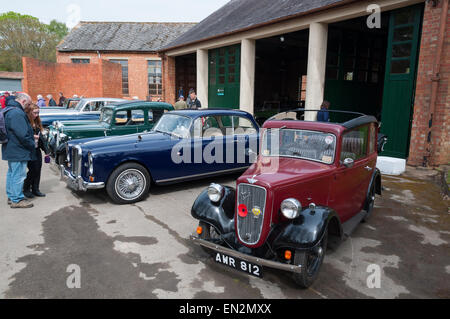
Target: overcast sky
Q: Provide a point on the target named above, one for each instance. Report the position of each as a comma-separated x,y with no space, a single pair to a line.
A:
72,11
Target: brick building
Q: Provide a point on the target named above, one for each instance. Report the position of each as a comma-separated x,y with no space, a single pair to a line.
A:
391,59
84,58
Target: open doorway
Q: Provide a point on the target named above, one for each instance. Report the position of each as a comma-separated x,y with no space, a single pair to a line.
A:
280,73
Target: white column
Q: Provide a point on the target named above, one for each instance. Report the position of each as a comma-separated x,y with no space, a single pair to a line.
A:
315,81
247,81
202,76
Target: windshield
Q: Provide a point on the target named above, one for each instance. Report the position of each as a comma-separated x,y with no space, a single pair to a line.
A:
310,145
106,116
80,104
174,124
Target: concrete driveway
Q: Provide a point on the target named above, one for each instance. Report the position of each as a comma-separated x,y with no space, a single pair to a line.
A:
143,251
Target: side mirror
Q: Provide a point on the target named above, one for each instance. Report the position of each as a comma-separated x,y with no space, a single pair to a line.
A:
348,162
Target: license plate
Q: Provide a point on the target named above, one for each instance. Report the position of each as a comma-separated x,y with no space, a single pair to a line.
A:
239,264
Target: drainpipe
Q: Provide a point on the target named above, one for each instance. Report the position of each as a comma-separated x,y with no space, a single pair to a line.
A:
435,78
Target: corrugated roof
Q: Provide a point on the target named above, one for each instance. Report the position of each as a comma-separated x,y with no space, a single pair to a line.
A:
243,14
122,36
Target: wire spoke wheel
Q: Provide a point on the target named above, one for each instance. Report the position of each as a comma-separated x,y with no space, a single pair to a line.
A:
130,184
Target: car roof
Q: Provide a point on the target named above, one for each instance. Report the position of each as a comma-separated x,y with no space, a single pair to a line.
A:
211,112
89,99
137,103
357,120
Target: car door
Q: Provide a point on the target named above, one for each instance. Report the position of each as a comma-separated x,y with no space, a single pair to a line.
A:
352,180
208,146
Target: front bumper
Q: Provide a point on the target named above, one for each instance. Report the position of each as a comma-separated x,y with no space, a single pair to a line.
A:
249,258
77,183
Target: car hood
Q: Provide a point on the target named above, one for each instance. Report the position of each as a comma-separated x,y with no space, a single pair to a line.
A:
114,143
88,126
273,172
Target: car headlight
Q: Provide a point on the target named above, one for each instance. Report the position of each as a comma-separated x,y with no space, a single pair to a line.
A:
291,208
90,164
215,192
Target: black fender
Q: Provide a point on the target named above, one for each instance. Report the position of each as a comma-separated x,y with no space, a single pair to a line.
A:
61,148
308,229
376,178
220,215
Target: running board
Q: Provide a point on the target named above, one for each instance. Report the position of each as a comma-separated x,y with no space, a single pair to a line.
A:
350,225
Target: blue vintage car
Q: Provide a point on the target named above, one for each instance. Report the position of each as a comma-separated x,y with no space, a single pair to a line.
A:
85,109
183,145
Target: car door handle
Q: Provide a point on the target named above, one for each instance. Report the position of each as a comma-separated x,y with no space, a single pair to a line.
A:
368,168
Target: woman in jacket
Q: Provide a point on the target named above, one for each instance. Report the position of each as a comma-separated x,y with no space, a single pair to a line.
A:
32,181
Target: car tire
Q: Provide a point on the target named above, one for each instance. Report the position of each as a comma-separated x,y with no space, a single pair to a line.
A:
311,261
129,183
370,203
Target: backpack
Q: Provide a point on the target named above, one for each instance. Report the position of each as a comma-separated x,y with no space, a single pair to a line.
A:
3,132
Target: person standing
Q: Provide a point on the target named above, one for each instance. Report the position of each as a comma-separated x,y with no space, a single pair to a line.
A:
40,101
180,104
18,150
51,101
323,115
33,179
193,102
62,99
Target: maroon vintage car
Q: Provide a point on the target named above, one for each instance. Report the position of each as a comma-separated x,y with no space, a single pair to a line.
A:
311,185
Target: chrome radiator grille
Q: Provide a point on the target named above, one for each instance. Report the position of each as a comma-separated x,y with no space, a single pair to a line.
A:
76,161
249,225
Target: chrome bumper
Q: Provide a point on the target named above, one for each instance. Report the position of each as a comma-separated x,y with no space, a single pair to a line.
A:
252,259
77,183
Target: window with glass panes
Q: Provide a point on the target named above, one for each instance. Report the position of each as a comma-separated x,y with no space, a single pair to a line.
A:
154,77
124,64
354,56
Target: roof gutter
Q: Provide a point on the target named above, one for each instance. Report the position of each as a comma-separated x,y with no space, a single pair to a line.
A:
256,26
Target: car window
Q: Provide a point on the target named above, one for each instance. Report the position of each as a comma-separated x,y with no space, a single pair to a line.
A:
354,143
243,125
137,117
96,106
210,127
121,118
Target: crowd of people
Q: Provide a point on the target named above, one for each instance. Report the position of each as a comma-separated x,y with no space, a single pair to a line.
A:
22,142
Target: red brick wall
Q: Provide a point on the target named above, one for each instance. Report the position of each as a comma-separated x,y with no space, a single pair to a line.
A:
168,69
38,78
111,79
440,151
88,80
137,69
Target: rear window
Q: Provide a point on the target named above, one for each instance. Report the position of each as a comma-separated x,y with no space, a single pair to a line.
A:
310,145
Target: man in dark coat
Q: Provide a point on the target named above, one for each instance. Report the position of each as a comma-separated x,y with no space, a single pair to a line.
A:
19,149
193,102
62,99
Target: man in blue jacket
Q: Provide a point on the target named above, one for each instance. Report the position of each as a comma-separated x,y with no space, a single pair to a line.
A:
19,149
